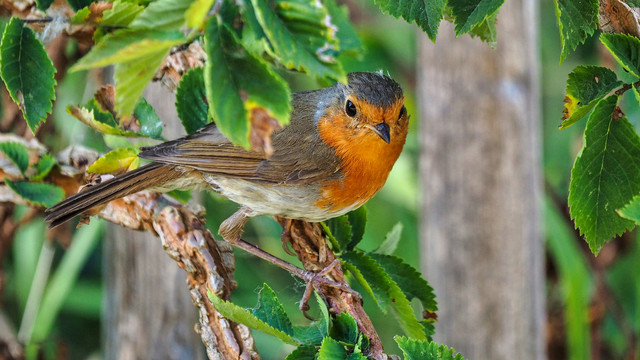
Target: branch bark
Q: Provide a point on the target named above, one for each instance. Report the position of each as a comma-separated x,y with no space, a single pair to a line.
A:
310,245
209,264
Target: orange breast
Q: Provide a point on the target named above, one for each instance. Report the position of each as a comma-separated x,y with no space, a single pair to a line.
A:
366,162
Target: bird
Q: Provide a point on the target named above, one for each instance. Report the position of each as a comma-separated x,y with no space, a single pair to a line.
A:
334,155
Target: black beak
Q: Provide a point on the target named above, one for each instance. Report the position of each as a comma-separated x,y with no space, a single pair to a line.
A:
382,130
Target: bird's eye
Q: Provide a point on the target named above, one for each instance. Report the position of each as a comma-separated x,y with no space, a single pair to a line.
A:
350,109
403,112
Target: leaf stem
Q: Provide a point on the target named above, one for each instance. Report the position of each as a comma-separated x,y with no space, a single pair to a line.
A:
42,20
626,87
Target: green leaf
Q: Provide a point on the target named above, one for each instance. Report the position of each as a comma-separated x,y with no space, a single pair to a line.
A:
132,78
44,4
103,121
408,279
80,16
304,352
426,14
235,84
586,85
390,243
386,291
631,210
424,350
181,195
191,101
150,123
605,176
356,356
253,37
270,311
636,93
43,167
27,72
429,328
363,342
486,30
340,229
311,334
116,160
163,15
324,310
358,221
78,4
301,36
121,13
314,333
128,45
577,19
37,193
246,317
625,49
197,13
348,39
137,55
345,329
17,153
468,14
346,231
331,350
360,278
96,119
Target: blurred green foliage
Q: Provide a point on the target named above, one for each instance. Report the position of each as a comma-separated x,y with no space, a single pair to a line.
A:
597,297
575,279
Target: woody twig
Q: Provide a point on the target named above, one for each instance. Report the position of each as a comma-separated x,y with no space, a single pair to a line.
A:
209,264
309,244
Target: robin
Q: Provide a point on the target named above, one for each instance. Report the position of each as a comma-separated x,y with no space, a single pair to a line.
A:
334,156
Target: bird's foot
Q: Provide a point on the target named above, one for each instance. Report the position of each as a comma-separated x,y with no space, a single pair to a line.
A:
231,230
318,280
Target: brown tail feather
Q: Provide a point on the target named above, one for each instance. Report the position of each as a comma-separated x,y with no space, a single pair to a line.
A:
131,182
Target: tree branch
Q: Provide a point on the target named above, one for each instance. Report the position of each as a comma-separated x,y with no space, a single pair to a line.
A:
310,245
209,264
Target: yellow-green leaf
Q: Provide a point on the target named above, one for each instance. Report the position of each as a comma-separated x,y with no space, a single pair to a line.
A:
163,15
128,45
121,13
197,12
116,160
586,85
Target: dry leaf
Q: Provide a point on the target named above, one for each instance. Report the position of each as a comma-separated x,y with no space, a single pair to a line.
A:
262,126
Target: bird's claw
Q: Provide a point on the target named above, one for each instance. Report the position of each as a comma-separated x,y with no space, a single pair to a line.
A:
317,281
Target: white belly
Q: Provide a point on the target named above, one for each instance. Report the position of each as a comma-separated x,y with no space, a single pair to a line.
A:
290,201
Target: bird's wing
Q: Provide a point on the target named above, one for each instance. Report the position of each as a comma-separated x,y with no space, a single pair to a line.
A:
296,159
206,150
